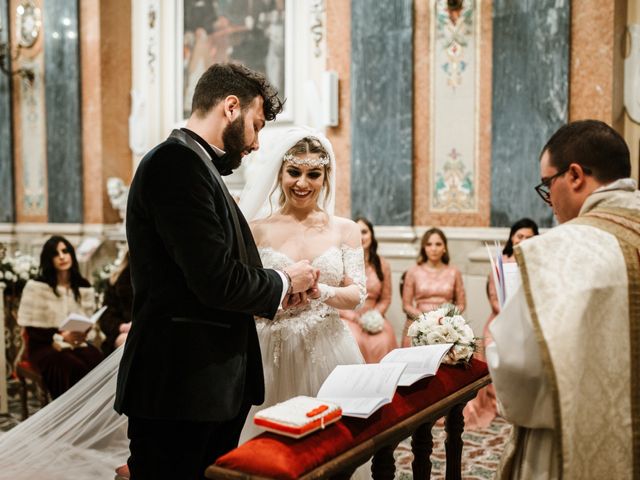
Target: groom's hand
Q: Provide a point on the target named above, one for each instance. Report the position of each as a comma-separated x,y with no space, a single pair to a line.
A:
294,300
303,276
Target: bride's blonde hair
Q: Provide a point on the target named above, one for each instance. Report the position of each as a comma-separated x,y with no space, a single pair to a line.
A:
307,145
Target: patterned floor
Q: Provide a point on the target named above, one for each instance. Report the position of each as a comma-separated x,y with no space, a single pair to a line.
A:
11,419
480,455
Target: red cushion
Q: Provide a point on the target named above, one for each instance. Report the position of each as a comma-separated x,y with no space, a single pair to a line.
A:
274,456
26,364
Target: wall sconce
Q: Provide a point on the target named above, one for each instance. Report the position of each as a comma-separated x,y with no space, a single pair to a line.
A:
28,22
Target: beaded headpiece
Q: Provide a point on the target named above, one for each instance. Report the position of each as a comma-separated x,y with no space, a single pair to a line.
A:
306,161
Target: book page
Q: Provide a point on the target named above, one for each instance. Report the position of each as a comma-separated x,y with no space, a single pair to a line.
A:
362,381
76,322
360,407
422,361
512,279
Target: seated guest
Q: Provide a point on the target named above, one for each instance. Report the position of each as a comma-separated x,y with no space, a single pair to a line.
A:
374,342
62,357
118,297
480,412
432,281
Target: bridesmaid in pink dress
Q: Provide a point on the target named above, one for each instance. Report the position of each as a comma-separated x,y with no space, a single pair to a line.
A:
373,346
432,281
480,412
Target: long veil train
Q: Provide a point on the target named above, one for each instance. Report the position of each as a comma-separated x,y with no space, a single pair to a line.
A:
78,435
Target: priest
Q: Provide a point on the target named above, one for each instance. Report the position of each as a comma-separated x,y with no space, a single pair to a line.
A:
565,360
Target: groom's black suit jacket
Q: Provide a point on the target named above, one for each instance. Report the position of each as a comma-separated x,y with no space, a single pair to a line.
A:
192,352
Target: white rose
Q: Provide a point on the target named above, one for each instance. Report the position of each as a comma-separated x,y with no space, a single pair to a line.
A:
435,337
413,329
424,327
8,276
1,274
458,321
24,276
462,352
449,333
467,332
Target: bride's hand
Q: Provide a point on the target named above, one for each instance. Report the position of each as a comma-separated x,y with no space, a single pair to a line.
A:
291,301
314,292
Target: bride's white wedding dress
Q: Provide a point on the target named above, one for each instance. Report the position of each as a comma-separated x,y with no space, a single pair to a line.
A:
79,435
301,346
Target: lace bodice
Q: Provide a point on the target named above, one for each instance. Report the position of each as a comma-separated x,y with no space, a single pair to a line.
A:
334,264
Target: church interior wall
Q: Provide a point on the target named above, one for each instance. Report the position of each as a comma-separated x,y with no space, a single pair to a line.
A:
129,79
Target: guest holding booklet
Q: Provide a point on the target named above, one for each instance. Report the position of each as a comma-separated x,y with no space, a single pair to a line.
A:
63,357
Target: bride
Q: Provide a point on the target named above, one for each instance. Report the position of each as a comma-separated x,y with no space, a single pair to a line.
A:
291,201
292,219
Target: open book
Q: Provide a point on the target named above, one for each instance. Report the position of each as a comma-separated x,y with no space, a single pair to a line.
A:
360,390
506,276
76,322
422,361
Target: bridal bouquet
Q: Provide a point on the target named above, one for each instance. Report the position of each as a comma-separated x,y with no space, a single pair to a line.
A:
372,321
445,325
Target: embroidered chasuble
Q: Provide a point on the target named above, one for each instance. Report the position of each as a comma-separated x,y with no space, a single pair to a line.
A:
565,360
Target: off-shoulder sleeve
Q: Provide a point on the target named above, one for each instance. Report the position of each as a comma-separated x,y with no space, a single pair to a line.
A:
385,295
459,296
353,260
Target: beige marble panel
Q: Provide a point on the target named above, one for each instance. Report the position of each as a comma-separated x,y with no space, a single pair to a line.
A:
105,36
596,71
29,134
339,59
422,121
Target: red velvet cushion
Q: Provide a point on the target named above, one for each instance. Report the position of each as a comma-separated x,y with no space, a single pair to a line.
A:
274,456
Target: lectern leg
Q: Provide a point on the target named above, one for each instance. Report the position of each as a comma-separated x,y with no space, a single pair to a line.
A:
454,425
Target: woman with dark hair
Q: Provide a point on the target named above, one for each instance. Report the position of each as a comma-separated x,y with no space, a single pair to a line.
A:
62,357
480,412
370,328
432,281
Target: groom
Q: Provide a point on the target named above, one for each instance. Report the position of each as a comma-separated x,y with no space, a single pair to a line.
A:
191,366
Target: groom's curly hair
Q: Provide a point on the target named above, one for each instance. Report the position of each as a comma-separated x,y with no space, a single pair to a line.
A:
224,79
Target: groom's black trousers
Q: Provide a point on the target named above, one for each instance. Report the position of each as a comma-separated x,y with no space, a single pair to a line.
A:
179,450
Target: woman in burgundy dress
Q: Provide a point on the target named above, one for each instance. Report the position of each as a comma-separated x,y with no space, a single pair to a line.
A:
432,281
374,342
62,357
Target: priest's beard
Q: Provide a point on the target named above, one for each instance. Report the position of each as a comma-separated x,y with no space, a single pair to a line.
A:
234,142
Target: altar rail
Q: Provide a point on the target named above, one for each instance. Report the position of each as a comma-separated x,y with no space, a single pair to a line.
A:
339,449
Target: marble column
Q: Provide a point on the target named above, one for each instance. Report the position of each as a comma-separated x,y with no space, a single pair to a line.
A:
105,50
63,122
530,101
381,111
7,204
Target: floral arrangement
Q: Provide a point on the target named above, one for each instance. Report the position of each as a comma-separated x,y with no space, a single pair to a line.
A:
372,321
16,270
445,325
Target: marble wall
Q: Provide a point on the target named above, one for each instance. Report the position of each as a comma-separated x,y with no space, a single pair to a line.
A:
63,122
7,210
381,111
531,42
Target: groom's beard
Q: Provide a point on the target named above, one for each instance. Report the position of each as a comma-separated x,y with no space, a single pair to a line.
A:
234,143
